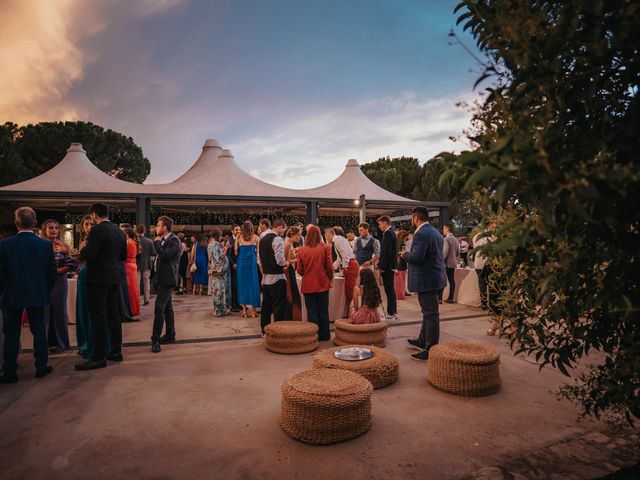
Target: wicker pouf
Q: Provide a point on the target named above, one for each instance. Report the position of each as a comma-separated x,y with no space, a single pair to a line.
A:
381,369
291,337
348,333
326,406
470,369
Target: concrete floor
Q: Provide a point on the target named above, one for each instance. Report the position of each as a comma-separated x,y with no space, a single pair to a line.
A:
210,410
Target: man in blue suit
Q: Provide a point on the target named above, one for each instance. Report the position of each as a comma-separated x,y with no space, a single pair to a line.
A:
27,275
427,277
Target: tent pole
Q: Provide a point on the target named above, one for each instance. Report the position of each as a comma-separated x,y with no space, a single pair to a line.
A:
143,213
312,213
363,209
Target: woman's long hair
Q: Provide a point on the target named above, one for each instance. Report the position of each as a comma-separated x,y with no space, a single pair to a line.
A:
371,296
247,231
133,236
313,237
83,236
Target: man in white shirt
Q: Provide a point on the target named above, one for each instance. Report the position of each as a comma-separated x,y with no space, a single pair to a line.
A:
480,265
273,265
346,261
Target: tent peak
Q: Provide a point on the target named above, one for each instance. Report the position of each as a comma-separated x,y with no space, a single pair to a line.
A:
226,153
353,163
75,147
211,143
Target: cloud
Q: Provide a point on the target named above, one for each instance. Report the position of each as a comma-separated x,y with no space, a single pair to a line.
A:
41,56
312,148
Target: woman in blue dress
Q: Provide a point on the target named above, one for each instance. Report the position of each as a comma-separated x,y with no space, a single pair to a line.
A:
199,256
248,288
84,331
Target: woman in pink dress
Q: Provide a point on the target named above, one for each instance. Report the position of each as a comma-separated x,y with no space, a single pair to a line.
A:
366,299
132,272
400,278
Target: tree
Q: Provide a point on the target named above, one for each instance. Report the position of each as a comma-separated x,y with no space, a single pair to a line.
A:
28,151
406,177
557,163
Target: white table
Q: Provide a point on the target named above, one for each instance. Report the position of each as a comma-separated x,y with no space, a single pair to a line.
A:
467,292
337,299
72,295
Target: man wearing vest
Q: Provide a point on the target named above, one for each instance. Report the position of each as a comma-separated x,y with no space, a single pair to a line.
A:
367,248
272,265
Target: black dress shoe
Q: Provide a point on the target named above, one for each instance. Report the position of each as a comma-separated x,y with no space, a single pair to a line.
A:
423,356
91,365
115,357
164,340
235,310
43,373
8,379
449,301
414,343
130,320
155,347
146,303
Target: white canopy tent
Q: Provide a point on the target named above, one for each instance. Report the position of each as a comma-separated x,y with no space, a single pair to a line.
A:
215,180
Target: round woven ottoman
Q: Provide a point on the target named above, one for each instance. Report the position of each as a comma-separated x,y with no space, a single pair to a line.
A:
291,337
470,369
381,369
326,406
348,333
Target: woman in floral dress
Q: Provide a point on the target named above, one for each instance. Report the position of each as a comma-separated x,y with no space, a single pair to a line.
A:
218,266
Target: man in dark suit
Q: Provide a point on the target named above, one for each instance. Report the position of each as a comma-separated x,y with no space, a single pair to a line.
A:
104,250
388,264
27,274
233,260
167,246
427,277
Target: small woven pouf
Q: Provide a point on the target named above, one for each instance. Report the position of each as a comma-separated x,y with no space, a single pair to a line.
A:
470,369
348,333
291,337
381,369
326,406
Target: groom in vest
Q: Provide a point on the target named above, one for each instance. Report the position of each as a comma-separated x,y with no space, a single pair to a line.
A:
367,248
272,265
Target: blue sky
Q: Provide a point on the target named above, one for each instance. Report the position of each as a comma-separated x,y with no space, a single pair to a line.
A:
293,88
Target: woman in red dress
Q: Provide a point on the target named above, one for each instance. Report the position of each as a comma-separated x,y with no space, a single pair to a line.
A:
132,272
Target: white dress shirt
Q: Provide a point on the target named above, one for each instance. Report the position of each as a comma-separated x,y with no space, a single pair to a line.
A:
344,251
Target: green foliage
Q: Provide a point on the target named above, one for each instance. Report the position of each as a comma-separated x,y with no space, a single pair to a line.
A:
557,163
28,151
406,177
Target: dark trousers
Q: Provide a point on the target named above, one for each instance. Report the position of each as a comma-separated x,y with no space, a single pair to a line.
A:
234,288
465,258
274,301
388,280
163,313
12,321
103,303
430,330
451,276
483,274
318,312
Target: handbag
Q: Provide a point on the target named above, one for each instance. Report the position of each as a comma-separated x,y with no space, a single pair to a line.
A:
193,267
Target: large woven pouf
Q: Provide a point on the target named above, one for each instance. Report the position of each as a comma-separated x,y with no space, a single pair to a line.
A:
326,406
381,369
291,337
348,333
470,369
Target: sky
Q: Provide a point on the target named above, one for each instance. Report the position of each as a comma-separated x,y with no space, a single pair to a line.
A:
293,88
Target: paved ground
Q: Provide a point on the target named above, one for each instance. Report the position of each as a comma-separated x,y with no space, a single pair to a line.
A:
210,410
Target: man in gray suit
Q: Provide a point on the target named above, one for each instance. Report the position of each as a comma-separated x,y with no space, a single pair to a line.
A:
451,253
145,261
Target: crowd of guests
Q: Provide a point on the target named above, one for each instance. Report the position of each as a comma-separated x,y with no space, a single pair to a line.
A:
270,269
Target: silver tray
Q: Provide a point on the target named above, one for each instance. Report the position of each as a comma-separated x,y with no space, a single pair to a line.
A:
353,354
